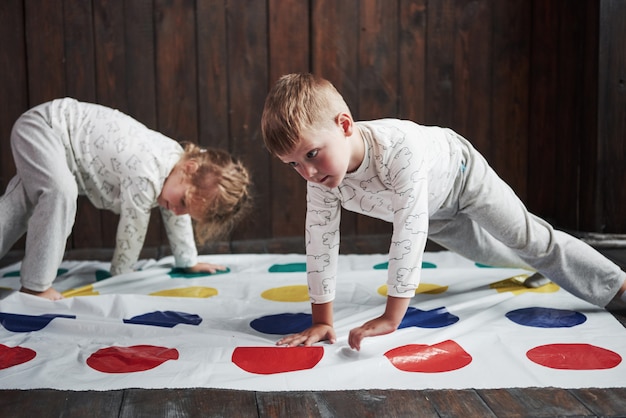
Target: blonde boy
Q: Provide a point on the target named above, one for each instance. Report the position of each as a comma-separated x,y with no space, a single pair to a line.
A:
430,183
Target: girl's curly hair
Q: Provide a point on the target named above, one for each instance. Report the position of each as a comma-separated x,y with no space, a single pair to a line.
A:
219,196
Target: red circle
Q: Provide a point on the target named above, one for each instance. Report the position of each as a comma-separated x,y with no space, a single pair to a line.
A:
270,360
574,357
10,357
137,358
442,357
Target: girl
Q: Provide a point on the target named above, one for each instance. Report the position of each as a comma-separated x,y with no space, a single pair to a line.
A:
65,148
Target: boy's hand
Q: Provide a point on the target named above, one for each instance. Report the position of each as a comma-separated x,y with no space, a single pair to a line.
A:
205,268
378,326
384,324
318,332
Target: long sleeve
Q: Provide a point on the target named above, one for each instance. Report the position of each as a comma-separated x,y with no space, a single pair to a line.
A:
322,243
179,231
408,180
121,166
405,175
131,234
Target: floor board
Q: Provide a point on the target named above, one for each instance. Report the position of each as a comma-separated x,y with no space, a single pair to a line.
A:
137,403
459,403
188,403
534,402
44,403
603,402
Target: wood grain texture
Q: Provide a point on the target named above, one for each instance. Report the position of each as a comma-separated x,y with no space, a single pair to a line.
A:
612,111
537,86
289,40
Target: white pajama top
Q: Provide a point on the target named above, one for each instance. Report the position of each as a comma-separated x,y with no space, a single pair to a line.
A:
121,165
406,174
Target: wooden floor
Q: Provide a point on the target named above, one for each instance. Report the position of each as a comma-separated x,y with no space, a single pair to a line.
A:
520,402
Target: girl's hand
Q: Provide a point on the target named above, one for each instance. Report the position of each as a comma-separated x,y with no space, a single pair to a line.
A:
205,268
318,332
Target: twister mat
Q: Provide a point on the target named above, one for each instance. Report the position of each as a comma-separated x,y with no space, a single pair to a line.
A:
468,326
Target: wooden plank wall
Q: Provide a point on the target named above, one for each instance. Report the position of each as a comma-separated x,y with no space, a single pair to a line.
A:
611,193
518,78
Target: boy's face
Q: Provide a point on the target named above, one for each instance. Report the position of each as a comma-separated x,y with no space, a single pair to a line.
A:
323,155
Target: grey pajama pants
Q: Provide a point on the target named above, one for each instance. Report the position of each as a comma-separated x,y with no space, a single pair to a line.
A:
485,221
40,199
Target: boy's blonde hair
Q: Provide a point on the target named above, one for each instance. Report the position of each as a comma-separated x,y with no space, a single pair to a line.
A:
219,196
297,102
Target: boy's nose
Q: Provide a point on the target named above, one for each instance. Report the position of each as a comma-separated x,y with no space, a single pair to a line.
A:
309,171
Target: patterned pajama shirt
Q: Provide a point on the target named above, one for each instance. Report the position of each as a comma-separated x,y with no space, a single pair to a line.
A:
429,182
65,148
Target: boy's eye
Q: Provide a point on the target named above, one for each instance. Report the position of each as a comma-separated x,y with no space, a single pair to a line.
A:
311,154
293,164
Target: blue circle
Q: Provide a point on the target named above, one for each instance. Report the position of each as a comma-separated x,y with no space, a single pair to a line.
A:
282,324
167,319
546,317
435,318
28,323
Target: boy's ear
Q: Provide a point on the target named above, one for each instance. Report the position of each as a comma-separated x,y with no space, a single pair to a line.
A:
346,123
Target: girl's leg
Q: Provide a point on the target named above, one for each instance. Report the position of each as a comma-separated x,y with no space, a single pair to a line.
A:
14,213
50,187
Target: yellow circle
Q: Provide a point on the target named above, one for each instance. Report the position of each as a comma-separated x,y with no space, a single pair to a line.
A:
80,291
514,286
187,292
427,288
295,293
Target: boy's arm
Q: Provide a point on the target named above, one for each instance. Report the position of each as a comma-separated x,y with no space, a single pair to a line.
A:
387,323
321,329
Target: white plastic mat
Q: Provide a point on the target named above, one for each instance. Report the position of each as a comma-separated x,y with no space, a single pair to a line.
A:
468,326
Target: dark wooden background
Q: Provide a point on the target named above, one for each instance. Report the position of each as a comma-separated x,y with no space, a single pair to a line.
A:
537,85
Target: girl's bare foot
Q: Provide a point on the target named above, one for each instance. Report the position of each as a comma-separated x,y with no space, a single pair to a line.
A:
51,293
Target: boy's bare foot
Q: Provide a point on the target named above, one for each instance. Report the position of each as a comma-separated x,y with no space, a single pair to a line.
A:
51,293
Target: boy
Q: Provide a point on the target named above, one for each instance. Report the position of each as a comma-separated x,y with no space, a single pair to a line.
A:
430,183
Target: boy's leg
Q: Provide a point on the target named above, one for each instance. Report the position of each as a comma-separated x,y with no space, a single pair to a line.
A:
569,262
476,243
14,212
40,158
